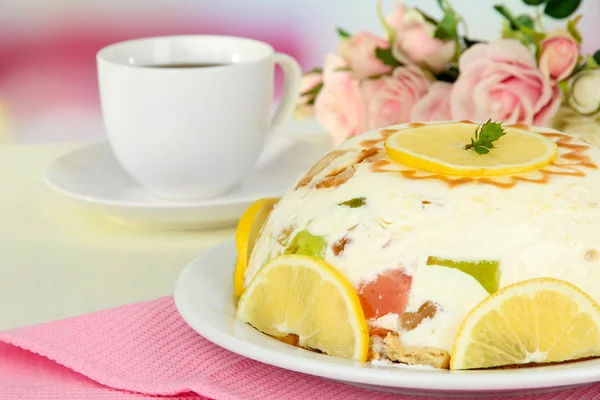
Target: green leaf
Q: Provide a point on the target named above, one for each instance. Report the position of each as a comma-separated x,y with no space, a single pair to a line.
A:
354,203
559,9
591,61
427,17
572,28
490,131
579,67
535,36
529,37
315,70
509,33
470,42
342,69
480,150
534,2
314,91
343,34
444,5
485,135
564,86
447,28
514,24
386,57
450,74
596,57
526,21
389,30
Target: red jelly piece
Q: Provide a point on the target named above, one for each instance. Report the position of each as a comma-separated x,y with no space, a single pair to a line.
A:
381,332
388,293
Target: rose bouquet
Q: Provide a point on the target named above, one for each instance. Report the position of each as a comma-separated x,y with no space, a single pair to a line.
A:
425,69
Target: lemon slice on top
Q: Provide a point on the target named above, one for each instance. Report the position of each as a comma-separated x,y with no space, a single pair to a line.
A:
440,148
305,296
541,320
246,234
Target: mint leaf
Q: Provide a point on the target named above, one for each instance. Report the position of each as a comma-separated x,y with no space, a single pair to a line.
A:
343,34
354,203
480,150
534,2
386,57
491,131
559,9
485,135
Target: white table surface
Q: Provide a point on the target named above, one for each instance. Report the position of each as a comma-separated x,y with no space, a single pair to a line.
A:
58,259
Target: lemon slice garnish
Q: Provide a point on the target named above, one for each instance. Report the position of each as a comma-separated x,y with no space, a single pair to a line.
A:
440,148
246,234
541,320
305,296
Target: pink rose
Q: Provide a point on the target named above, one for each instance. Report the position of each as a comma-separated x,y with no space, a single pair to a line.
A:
500,80
415,42
559,55
435,105
390,99
338,107
309,82
359,53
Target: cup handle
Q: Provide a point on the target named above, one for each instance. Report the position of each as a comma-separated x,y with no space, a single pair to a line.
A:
292,74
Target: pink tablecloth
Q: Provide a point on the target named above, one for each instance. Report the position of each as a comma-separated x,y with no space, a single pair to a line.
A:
144,350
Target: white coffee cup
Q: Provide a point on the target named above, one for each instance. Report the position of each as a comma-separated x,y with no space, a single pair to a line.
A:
192,132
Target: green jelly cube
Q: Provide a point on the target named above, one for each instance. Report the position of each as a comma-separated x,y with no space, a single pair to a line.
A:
486,272
307,244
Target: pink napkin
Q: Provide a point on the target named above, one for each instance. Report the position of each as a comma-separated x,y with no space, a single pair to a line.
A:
144,350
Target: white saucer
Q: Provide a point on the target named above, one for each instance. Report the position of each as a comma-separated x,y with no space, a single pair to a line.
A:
93,176
204,298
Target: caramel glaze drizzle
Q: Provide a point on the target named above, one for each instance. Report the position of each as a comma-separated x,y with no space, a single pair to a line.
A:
519,126
384,133
576,156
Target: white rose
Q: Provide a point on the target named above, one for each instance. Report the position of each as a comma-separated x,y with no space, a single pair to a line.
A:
584,95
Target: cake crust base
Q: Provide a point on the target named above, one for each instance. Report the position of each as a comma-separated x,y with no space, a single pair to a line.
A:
397,352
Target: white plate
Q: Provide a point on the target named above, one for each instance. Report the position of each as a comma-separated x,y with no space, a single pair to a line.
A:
204,298
92,175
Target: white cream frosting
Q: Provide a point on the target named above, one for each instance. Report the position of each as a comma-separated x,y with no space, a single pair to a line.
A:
532,229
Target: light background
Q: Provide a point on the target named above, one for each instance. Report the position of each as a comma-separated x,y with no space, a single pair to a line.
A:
48,88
